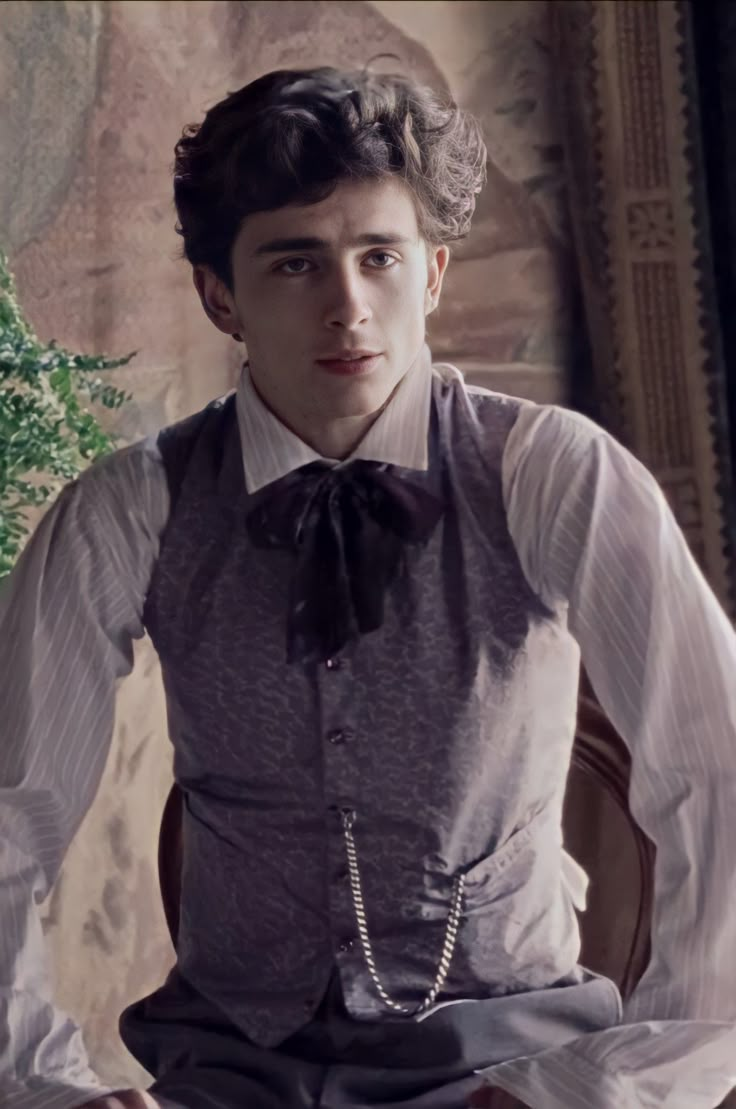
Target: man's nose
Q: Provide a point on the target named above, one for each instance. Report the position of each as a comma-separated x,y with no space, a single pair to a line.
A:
347,303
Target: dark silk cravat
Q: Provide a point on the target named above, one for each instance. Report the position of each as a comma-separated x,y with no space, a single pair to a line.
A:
347,526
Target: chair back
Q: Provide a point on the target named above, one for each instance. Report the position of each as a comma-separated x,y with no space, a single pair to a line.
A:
170,854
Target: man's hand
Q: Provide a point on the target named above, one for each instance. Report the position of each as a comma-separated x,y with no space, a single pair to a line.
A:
123,1099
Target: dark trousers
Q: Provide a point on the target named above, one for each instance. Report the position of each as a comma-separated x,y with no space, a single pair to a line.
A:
201,1060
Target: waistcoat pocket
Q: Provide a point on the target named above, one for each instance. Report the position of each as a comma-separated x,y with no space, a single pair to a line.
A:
504,869
519,923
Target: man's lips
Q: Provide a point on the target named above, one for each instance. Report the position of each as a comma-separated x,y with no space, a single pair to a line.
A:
348,366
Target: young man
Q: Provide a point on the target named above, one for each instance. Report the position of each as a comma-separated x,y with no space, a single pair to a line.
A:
369,587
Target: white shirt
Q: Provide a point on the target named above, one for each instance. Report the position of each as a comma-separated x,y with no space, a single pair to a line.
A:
657,646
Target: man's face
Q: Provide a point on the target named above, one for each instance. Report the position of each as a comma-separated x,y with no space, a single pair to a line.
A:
311,282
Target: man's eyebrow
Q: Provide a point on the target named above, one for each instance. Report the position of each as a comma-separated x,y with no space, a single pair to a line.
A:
369,238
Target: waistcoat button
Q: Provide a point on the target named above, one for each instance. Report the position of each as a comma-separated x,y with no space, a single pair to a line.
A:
333,663
339,735
346,945
341,809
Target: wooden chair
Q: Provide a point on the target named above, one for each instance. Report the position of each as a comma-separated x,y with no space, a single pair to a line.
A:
599,832
170,860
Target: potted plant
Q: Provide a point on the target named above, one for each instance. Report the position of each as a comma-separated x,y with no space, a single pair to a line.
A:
48,434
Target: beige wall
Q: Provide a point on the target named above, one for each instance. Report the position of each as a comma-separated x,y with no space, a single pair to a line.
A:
94,97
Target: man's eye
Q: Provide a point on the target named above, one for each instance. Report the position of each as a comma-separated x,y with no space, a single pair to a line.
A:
292,262
385,255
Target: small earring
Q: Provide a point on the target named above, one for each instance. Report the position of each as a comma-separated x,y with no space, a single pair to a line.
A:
237,338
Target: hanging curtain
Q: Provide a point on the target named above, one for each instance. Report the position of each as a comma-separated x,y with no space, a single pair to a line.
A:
714,47
642,226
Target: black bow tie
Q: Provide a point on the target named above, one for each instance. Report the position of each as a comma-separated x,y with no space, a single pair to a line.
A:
348,526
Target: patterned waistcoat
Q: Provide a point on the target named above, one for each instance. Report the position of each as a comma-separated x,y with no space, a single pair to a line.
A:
447,733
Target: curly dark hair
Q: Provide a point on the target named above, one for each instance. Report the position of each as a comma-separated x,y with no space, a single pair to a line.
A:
293,134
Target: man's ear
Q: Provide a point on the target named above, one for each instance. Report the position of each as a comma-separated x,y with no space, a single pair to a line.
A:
216,300
438,258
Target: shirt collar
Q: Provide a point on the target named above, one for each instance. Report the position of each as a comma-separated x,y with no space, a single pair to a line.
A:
399,435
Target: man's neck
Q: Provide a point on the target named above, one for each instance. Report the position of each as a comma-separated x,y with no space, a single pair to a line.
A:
337,439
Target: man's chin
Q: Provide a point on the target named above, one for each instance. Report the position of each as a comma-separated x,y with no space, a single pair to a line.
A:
364,396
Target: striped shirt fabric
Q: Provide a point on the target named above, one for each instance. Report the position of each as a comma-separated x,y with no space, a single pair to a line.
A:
658,647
